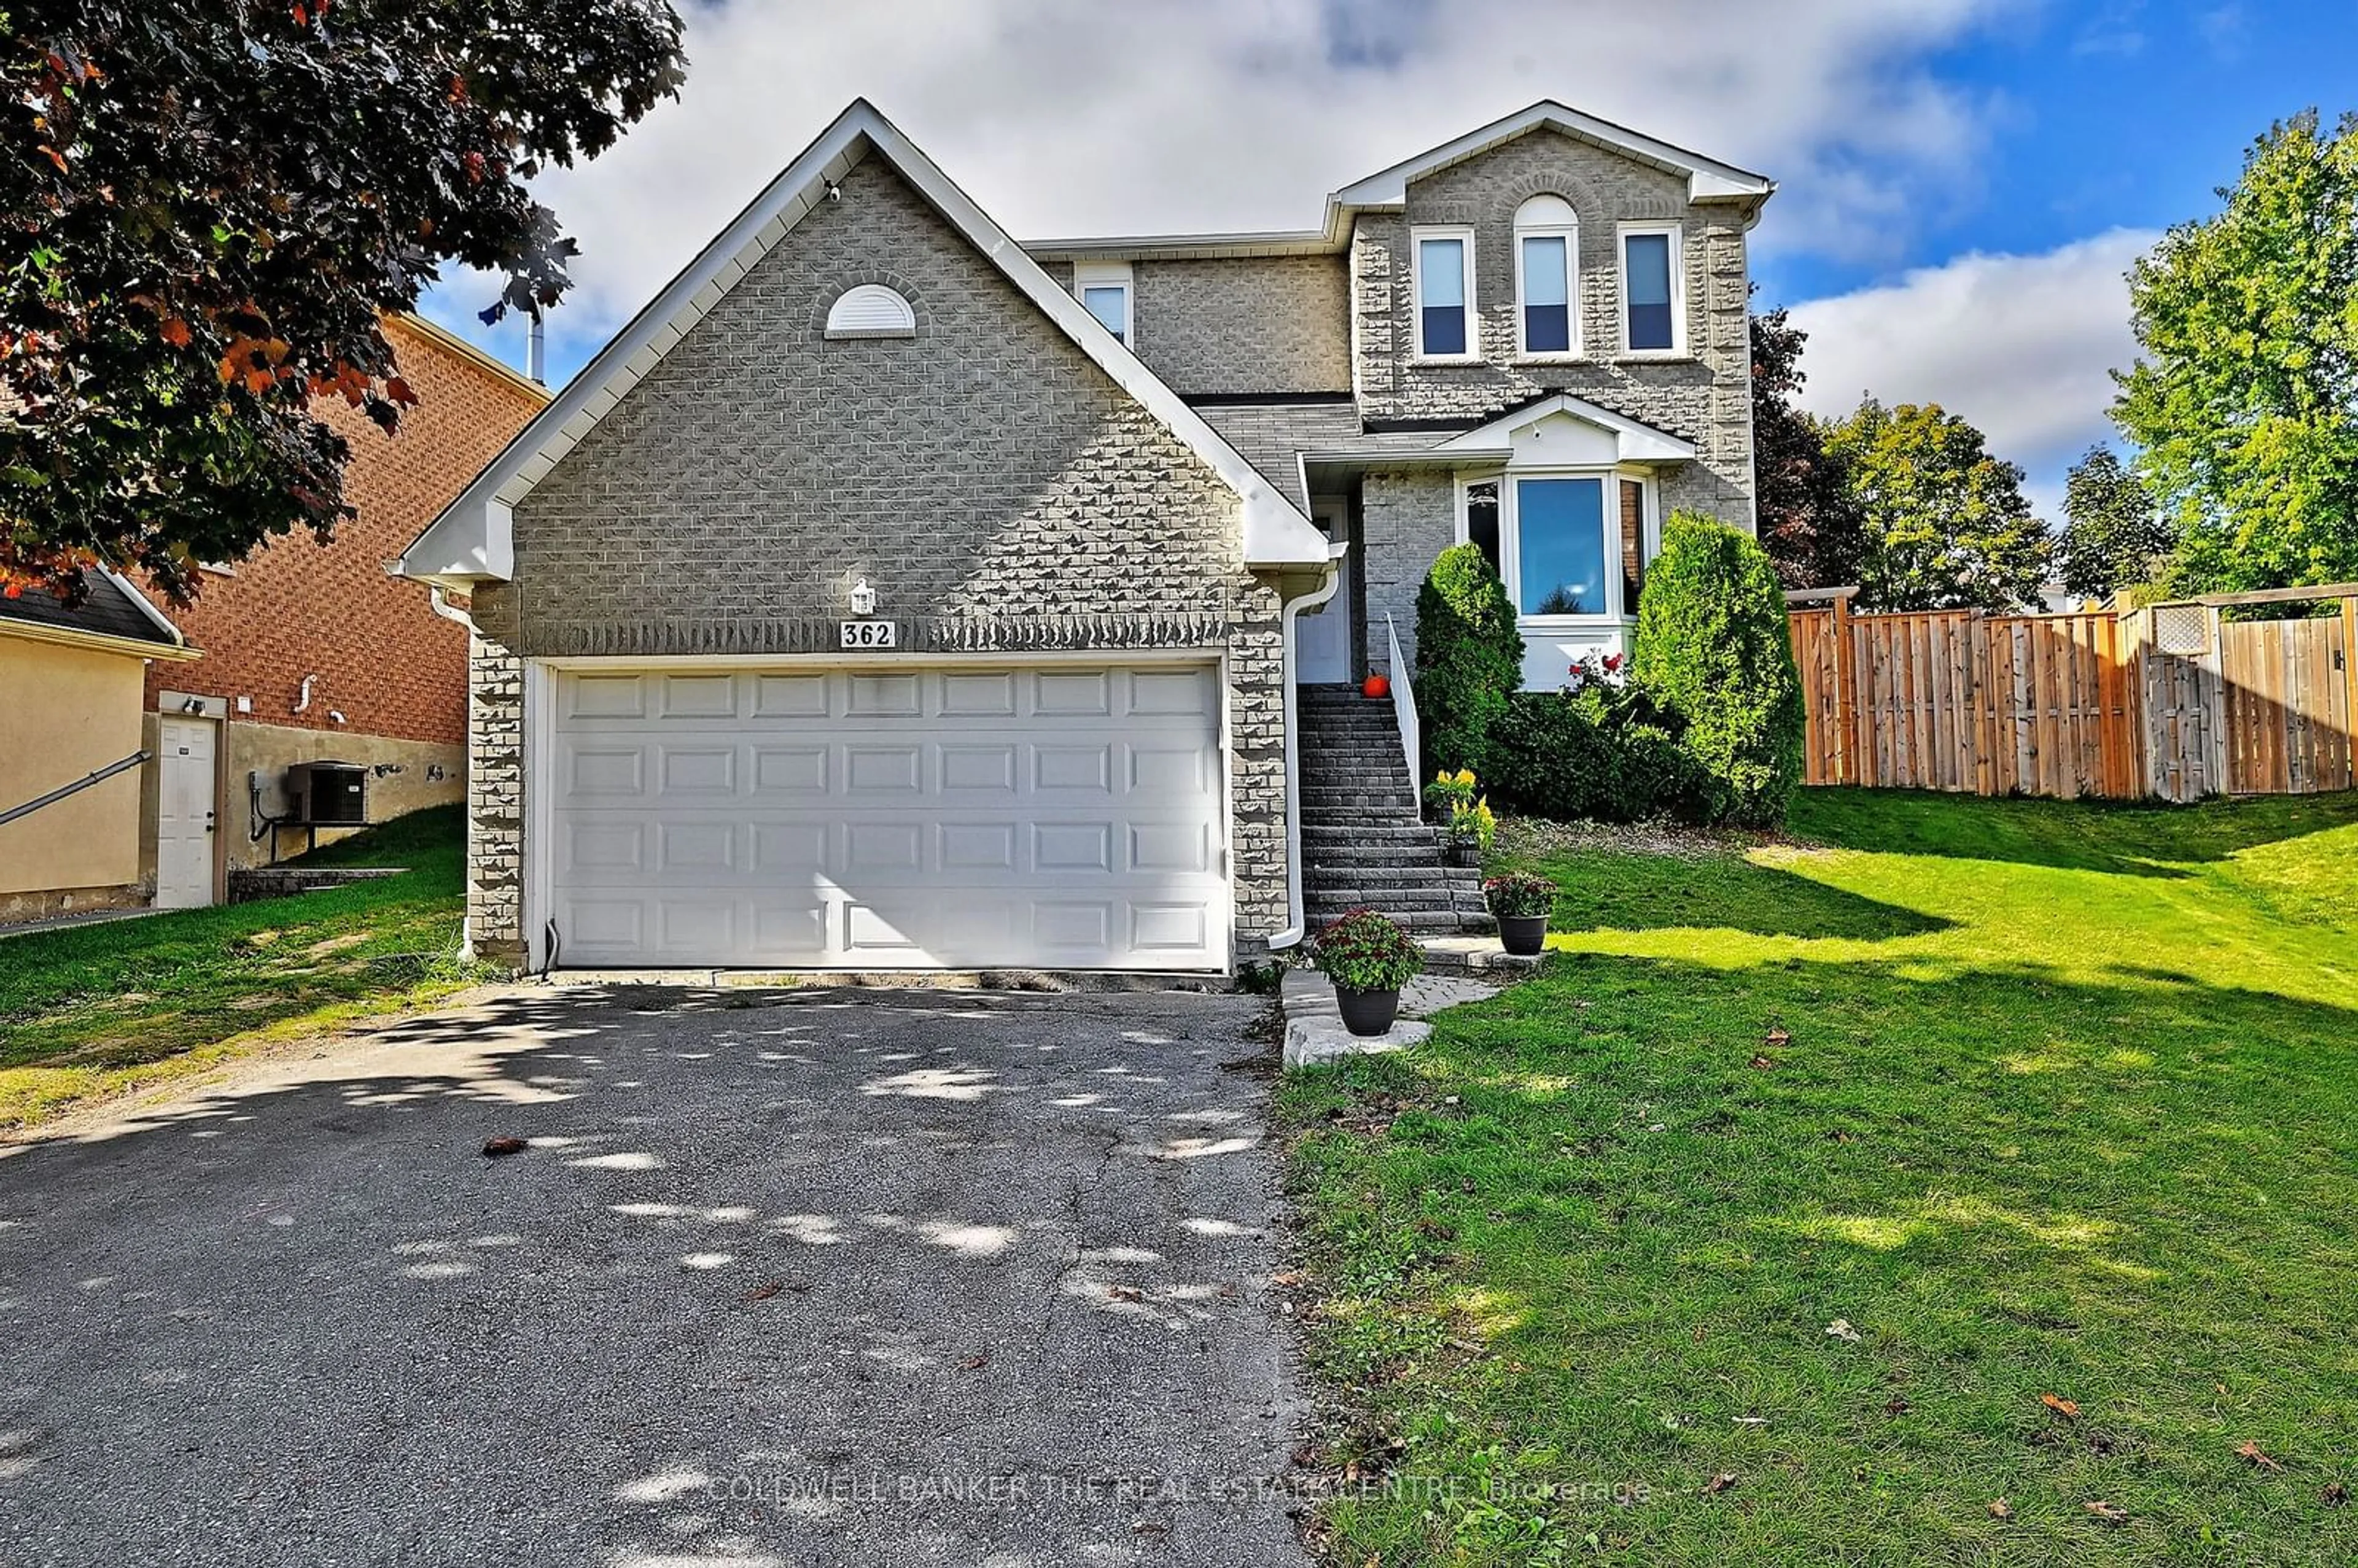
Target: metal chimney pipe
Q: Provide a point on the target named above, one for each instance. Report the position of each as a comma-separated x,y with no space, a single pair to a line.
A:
536,354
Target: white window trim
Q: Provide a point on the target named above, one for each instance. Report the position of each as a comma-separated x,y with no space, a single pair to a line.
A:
1510,538
1570,234
1111,275
1416,238
1680,348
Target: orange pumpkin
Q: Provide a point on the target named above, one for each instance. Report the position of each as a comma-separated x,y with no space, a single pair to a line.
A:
1376,686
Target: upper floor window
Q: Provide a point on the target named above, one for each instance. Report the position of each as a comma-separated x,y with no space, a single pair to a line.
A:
1105,289
1547,270
1652,318
1444,293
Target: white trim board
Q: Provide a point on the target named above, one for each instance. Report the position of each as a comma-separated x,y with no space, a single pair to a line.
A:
473,540
1639,442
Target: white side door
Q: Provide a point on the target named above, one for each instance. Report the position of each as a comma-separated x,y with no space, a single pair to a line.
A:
1322,649
184,813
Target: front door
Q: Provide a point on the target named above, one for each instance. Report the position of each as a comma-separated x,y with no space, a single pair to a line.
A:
184,813
1322,636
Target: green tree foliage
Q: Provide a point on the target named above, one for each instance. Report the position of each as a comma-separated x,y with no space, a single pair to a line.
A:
1716,652
2245,395
1809,521
210,203
2116,536
1469,657
1946,523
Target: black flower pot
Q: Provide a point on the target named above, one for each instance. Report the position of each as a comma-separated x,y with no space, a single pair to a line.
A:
1524,936
1465,852
1368,1014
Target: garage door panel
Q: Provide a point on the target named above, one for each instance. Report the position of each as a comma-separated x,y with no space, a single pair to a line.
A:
699,696
790,771
957,818
790,696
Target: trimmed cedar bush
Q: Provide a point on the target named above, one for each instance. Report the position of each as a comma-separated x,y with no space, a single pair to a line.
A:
1715,652
1469,657
1600,753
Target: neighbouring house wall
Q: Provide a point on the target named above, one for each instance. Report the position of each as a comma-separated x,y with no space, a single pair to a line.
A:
998,490
293,608
1705,398
419,774
65,712
1260,324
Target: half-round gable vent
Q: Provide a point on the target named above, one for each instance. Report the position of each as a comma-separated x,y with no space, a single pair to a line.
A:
870,310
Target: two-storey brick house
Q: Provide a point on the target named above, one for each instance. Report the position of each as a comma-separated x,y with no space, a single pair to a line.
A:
891,594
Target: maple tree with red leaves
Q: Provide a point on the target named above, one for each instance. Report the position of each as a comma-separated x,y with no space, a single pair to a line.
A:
209,207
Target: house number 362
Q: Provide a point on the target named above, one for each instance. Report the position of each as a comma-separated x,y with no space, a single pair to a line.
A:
870,633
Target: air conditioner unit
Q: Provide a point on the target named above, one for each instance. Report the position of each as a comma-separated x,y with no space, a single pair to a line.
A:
327,795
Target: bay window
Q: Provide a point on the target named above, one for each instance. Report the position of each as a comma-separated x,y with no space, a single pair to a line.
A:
1547,269
1569,547
1653,313
1444,283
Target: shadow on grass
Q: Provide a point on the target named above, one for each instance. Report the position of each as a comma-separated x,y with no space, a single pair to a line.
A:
1623,893
2124,838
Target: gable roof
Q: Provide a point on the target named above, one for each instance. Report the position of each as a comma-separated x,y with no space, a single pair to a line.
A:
116,615
473,540
1639,442
1708,180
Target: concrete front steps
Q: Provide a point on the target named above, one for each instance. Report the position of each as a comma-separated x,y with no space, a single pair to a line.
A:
1364,843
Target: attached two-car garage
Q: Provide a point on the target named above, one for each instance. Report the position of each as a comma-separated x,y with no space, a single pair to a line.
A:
1047,816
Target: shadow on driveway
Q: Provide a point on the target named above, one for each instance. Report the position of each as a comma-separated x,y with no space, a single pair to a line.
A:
782,1278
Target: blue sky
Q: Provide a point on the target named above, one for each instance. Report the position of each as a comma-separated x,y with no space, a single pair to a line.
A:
1963,182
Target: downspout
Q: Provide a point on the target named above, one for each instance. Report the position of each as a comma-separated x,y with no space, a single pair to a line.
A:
1296,921
437,598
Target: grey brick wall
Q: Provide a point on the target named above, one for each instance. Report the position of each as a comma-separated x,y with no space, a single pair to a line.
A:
998,490
1261,324
1405,520
1706,398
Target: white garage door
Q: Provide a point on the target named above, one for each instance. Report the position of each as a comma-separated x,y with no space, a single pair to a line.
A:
1049,816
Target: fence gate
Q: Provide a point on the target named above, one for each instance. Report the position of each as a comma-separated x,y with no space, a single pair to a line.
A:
2288,692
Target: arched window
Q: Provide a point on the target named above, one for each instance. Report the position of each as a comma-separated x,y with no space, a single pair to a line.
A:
1547,279
870,310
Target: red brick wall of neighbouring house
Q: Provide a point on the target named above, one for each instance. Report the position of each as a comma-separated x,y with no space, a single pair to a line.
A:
293,608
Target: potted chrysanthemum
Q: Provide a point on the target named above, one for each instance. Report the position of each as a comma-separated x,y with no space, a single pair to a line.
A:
1369,959
1522,903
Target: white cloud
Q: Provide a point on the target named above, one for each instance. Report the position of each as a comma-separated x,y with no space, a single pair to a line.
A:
2020,345
1076,116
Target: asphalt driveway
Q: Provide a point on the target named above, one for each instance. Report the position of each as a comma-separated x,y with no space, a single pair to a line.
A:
786,1278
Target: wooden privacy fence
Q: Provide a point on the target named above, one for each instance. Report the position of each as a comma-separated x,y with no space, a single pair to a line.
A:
2169,702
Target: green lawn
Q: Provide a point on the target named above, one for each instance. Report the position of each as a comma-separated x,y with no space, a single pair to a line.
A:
2033,1098
93,1010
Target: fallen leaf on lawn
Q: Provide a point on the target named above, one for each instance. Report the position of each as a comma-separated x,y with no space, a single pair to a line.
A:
1776,1037
1719,1483
1752,1420
1126,1293
762,1292
2061,1406
500,1147
2336,1495
975,1363
1897,1405
1762,1064
2110,1513
2001,1509
1841,1329
2260,1461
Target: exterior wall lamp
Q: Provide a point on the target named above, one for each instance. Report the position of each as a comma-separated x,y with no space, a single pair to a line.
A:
863,598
